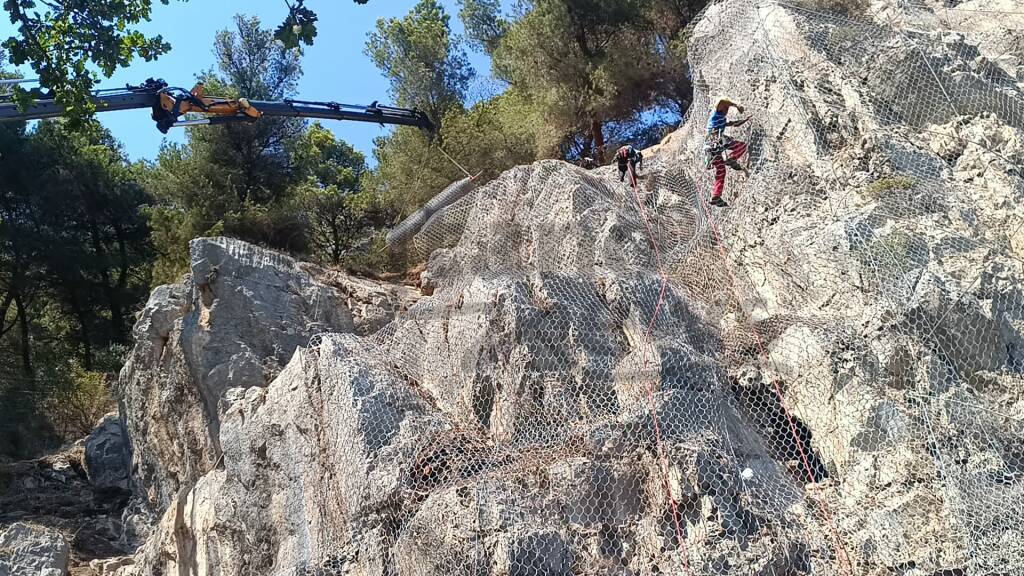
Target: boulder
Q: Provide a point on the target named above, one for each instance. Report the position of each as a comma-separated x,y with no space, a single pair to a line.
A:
107,457
33,551
373,303
234,321
957,327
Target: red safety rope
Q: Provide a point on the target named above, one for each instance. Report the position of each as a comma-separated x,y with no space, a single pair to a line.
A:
844,557
666,474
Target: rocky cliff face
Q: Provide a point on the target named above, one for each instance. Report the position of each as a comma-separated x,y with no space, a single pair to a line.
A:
234,322
526,402
883,203
824,378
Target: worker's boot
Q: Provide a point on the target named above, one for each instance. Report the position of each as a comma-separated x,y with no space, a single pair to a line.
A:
718,201
735,165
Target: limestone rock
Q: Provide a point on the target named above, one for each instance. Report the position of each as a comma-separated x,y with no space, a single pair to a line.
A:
373,304
237,318
971,339
110,566
352,460
278,498
53,495
613,381
32,551
107,457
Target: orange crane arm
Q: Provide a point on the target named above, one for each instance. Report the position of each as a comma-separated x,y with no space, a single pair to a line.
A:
173,106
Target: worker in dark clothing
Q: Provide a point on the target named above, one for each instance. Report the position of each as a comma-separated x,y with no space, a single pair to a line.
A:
716,143
630,159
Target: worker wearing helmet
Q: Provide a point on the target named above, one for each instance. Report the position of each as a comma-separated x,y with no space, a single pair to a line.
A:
716,144
629,158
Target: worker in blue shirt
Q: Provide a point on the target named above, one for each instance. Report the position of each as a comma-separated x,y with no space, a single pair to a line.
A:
716,143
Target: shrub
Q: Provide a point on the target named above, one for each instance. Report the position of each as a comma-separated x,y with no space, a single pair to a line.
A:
373,259
79,401
879,188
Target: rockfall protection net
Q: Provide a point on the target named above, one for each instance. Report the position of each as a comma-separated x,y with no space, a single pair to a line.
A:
823,378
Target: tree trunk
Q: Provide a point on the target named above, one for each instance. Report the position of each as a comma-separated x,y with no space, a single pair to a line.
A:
597,133
117,317
684,96
117,326
8,299
83,328
124,263
335,241
587,149
26,350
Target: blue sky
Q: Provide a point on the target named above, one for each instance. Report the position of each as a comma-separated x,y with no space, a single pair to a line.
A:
335,67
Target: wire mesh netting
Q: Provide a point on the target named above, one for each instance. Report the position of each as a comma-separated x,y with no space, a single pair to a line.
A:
824,377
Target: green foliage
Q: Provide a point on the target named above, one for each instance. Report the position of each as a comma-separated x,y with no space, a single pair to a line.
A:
486,139
489,137
298,27
409,170
584,63
339,213
883,186
277,182
326,161
235,179
250,63
577,61
75,398
669,22
74,266
172,229
60,41
483,23
374,259
71,227
499,133
427,67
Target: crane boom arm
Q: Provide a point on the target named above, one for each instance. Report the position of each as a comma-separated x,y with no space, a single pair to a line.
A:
41,109
332,111
168,105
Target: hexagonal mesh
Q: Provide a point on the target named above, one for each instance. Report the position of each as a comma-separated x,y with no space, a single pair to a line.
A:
824,377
